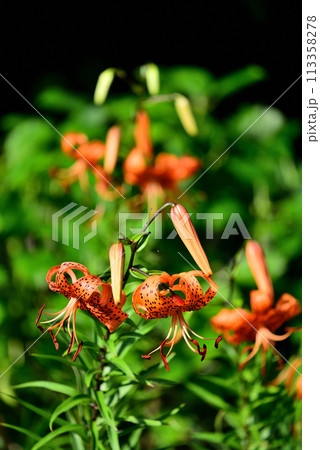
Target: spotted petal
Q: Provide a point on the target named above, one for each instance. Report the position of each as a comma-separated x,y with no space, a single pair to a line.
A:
104,309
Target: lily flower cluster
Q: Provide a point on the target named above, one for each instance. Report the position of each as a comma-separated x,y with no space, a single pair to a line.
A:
154,175
159,296
258,325
165,295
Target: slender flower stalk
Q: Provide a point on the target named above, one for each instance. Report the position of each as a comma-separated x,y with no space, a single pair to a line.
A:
117,257
184,226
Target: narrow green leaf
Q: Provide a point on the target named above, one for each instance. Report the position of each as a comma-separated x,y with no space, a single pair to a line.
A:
50,385
94,435
28,433
35,409
70,428
207,396
213,438
107,415
67,404
105,410
143,241
89,376
123,366
143,422
60,359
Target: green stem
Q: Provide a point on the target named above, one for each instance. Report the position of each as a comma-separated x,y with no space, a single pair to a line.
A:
156,215
135,269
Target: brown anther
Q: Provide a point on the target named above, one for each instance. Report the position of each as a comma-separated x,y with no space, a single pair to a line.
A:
216,344
75,356
71,342
54,340
40,312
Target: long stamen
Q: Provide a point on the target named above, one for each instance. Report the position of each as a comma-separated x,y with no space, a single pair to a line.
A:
163,356
174,336
148,356
187,342
254,351
55,319
61,324
193,332
74,325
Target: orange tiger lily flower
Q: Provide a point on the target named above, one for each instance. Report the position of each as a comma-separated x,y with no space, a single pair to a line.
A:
240,325
155,175
161,296
87,154
82,293
184,226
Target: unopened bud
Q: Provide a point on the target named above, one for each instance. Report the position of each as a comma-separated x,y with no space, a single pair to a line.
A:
112,149
186,117
182,223
117,260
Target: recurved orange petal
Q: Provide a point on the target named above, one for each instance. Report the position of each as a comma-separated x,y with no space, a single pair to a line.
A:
151,303
195,298
70,141
112,149
259,270
104,309
142,134
134,166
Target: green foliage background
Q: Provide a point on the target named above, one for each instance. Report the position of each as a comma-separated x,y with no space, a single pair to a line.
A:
197,405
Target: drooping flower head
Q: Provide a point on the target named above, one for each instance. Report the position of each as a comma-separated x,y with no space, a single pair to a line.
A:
155,175
82,293
161,296
88,154
240,325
